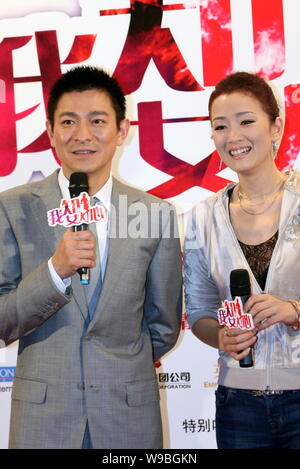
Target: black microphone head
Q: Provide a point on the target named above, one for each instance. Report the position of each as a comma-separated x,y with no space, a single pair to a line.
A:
78,183
240,283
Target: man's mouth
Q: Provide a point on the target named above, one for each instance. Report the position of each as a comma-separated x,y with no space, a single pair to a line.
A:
239,152
83,152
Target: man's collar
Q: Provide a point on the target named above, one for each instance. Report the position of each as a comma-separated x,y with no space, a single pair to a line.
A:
104,194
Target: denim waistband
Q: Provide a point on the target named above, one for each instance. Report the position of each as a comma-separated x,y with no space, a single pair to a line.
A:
259,392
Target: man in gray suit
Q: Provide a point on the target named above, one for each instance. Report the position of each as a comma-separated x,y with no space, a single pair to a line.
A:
85,376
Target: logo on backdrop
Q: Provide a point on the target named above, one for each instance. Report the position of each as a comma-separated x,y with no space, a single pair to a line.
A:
213,382
175,380
199,425
7,374
184,322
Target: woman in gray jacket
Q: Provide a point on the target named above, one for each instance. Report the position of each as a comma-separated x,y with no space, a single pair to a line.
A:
252,225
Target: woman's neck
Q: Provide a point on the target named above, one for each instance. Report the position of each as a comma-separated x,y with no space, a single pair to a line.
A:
261,185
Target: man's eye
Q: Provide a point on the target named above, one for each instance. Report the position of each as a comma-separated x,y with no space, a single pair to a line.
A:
97,121
67,122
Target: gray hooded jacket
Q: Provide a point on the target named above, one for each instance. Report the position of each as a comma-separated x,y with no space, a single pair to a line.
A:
212,251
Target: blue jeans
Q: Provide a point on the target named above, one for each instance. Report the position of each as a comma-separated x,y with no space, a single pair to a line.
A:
246,421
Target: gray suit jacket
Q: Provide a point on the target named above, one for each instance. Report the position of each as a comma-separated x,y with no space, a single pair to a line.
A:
70,370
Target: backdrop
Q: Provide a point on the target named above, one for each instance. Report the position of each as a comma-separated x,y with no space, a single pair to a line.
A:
167,55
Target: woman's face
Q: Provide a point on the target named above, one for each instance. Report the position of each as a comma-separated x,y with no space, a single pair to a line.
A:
242,132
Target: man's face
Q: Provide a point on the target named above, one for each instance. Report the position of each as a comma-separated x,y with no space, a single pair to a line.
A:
85,133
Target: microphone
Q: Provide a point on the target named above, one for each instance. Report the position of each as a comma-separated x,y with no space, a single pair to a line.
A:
240,286
79,183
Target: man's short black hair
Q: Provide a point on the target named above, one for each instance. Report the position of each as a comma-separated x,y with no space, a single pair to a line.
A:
85,78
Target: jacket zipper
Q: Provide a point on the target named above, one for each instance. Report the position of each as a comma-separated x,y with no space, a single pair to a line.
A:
270,271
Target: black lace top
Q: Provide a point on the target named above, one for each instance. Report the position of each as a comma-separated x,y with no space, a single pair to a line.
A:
259,256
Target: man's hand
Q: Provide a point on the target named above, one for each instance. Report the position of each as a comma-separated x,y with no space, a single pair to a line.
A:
74,250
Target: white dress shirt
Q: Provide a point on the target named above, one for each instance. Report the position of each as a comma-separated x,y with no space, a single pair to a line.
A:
104,195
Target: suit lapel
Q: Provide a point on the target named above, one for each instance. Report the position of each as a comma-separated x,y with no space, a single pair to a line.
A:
121,199
47,197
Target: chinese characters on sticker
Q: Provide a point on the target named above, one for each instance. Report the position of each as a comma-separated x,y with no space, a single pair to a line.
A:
76,211
232,315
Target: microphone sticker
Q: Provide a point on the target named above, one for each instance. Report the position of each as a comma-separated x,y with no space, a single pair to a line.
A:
76,211
232,315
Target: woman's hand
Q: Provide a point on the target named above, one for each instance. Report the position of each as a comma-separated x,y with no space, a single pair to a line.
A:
268,310
236,342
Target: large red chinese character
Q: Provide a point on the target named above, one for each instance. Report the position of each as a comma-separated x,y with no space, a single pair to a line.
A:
147,40
8,157
290,145
47,50
268,38
205,173
216,40
185,175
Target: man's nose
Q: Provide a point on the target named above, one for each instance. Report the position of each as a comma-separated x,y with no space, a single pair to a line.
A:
82,131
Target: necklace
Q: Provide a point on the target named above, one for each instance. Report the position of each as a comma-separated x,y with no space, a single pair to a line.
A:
266,197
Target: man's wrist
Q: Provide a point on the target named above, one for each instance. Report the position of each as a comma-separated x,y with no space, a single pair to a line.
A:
61,284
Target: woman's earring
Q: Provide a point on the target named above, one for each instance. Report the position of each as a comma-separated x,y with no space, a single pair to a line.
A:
220,164
275,148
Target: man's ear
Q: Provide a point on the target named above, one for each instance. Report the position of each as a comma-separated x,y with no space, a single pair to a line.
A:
123,130
50,132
